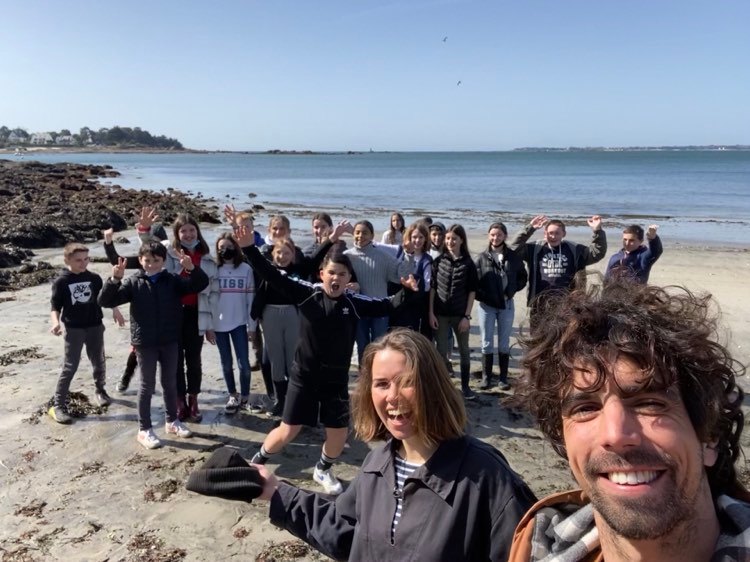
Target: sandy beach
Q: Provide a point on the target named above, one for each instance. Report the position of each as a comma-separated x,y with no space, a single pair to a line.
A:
89,492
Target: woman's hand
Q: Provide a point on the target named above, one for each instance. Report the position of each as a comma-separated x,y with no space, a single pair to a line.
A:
211,337
464,325
270,482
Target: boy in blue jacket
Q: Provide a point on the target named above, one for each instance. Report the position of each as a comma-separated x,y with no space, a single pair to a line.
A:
635,259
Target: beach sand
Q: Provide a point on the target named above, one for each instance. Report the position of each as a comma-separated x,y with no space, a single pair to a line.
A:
89,492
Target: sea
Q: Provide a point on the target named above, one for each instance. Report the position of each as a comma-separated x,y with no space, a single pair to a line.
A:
696,197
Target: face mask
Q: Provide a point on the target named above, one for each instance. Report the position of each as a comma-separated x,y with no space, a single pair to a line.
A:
227,253
190,245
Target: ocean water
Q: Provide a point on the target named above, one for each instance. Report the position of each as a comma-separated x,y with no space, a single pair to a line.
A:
698,197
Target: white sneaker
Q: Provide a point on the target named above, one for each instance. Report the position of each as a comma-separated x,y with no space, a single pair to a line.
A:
176,428
329,482
232,405
148,439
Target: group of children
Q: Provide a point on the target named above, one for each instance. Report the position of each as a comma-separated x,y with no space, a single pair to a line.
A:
311,306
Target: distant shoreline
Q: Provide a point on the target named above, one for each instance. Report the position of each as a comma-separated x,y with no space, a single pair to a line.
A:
279,152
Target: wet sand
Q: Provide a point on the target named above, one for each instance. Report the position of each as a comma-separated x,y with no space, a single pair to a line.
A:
89,492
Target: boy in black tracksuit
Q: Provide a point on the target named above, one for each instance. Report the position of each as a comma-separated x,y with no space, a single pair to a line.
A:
155,321
74,304
319,381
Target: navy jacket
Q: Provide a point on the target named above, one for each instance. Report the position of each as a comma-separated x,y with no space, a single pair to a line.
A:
155,308
635,265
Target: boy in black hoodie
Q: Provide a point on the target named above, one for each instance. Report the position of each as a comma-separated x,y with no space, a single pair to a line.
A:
74,304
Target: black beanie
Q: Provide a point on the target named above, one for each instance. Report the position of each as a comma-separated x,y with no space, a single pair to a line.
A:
227,475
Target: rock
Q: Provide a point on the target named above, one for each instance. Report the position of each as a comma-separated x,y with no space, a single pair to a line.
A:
49,205
11,255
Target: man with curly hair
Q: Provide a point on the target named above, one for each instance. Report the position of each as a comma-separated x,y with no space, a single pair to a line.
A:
630,384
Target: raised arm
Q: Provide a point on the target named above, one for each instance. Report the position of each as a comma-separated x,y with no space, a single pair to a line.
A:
312,263
296,291
146,220
655,249
518,242
114,292
197,281
131,262
598,247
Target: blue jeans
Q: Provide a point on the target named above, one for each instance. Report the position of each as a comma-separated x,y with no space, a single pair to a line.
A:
503,317
448,325
238,338
368,330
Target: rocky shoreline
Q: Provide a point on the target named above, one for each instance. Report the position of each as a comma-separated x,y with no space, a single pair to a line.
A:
49,205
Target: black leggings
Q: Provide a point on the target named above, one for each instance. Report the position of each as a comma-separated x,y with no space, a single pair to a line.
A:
189,364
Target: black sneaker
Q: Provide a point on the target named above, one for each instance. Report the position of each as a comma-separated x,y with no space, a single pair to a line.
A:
468,394
102,398
124,382
276,410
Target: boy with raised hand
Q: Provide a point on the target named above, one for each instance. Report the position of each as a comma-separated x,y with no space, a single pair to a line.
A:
155,318
634,260
74,305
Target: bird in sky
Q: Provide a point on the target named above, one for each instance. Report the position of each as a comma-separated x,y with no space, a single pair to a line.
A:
445,39
458,83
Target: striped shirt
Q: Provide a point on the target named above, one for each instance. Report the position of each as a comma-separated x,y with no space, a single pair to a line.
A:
403,471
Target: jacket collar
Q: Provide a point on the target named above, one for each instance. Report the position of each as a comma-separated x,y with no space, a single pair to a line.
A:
439,473
563,524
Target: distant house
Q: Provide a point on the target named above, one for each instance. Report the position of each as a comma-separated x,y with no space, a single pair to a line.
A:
65,140
14,138
41,138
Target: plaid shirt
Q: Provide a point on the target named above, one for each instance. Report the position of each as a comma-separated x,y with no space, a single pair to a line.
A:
563,530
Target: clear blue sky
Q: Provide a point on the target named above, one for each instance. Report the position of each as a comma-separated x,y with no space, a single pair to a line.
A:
242,75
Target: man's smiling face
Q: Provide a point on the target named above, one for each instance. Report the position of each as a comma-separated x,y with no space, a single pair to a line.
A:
635,453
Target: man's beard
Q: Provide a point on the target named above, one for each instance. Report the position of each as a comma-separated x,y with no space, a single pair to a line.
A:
647,517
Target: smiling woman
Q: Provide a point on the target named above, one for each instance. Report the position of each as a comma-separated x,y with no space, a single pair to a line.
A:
431,492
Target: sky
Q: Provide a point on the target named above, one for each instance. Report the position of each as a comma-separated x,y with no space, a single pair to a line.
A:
382,75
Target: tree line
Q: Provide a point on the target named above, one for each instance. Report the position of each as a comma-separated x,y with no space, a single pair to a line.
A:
124,137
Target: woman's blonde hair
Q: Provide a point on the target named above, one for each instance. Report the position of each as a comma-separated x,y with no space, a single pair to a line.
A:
438,412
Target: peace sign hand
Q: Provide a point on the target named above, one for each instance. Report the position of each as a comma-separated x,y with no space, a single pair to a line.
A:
118,270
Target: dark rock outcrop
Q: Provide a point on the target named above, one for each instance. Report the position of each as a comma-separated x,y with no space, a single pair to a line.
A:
49,205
